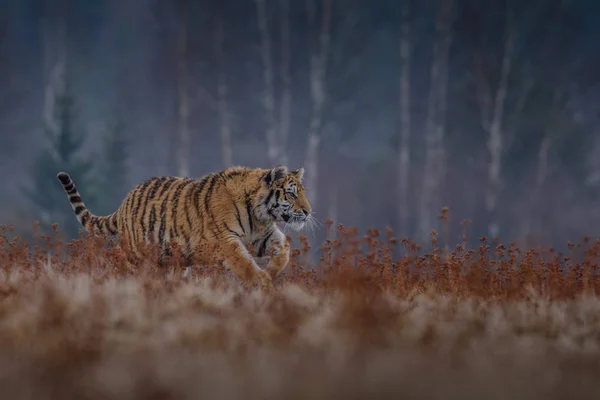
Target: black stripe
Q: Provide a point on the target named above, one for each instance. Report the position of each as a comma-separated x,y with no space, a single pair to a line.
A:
168,182
100,223
151,196
141,197
263,245
211,186
152,221
75,199
72,191
249,211
163,221
79,210
64,179
84,219
111,225
197,194
186,210
151,193
128,203
176,197
269,197
154,189
271,192
231,230
135,206
69,186
231,174
239,217
163,209
267,178
167,251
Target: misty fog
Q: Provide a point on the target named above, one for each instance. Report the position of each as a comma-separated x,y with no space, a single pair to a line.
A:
394,108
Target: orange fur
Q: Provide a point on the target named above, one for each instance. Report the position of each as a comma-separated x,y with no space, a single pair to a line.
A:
223,211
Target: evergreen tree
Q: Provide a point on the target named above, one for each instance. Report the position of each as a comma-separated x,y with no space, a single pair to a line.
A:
46,194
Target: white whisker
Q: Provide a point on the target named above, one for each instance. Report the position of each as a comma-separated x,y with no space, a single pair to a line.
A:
311,226
315,221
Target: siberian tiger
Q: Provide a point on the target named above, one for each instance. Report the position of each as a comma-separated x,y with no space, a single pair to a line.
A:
225,210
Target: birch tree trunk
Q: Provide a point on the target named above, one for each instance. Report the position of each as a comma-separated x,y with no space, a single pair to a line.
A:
435,125
533,221
404,142
182,150
54,47
269,93
223,106
332,210
286,80
542,172
319,50
440,119
495,133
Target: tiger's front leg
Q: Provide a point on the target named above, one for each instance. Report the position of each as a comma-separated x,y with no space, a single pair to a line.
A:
278,249
257,250
262,262
237,259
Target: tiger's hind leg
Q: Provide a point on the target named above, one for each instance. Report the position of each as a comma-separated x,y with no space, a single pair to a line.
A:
188,262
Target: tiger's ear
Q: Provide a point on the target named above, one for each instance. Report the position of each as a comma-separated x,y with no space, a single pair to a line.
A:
277,173
299,174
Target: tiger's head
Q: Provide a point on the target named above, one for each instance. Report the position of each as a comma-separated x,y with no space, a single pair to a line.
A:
285,199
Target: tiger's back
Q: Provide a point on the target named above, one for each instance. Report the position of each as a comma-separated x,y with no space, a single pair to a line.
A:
159,209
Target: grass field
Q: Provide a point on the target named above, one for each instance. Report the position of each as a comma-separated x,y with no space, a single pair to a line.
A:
492,322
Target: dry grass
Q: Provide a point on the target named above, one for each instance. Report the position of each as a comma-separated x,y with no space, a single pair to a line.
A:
492,322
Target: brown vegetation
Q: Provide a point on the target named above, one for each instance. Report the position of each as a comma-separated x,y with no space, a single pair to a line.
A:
375,319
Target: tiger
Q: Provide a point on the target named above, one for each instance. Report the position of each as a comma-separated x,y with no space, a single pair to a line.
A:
225,211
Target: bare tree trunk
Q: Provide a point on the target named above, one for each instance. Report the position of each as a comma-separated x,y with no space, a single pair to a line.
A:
269,93
440,119
435,126
182,151
532,222
425,206
542,171
332,210
318,65
404,142
286,95
223,106
495,133
54,39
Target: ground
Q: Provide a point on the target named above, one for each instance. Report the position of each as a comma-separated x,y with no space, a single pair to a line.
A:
491,322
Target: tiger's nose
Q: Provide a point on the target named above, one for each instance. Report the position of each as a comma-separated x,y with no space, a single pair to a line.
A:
305,212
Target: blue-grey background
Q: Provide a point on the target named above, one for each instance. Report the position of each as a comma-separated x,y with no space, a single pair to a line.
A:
499,119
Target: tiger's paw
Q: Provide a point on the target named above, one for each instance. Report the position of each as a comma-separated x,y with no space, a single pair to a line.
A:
264,280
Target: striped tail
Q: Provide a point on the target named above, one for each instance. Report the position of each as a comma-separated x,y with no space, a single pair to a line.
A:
90,222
